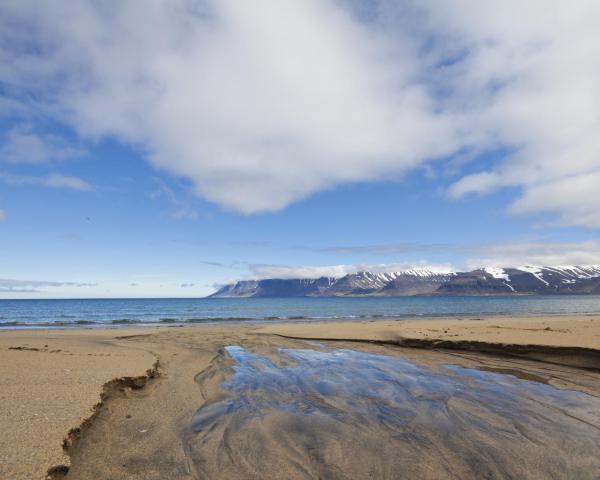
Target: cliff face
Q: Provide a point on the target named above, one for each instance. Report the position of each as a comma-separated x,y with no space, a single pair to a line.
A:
483,281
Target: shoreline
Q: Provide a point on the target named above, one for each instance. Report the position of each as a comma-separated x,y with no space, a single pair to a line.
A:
55,380
226,321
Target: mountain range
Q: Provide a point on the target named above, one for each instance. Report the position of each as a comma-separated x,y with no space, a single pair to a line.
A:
526,280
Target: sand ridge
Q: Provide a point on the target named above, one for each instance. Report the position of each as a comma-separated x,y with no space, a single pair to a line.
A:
50,382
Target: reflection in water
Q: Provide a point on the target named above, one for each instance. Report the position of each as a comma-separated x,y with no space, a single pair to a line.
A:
347,414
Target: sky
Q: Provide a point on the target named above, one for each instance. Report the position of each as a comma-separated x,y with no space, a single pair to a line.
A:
164,148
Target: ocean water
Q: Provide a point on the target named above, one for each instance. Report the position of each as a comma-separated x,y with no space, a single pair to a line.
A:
98,312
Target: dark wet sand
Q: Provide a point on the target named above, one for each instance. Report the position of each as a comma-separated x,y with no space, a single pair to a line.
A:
460,414
318,412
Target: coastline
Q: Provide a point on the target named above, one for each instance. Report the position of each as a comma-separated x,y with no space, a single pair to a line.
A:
53,380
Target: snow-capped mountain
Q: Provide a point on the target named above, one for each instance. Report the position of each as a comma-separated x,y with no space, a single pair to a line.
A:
523,280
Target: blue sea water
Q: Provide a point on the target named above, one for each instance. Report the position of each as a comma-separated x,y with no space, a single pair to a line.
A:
91,312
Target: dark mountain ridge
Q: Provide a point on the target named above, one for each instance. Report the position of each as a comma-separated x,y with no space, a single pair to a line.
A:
526,280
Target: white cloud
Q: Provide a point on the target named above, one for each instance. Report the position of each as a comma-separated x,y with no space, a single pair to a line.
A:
21,145
543,253
53,180
306,271
509,254
532,71
29,286
481,183
263,104
258,105
575,197
2,215
181,209
56,180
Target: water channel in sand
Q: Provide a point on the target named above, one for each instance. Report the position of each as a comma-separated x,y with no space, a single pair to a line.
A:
347,414
233,405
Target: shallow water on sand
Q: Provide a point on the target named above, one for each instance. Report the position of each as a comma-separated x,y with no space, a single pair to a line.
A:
346,414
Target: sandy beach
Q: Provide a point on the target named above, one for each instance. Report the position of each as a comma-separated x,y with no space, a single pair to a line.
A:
128,395
315,240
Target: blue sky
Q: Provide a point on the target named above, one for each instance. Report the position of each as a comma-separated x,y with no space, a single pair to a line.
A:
209,142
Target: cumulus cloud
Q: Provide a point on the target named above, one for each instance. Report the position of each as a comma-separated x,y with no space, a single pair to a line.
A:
260,105
53,180
575,197
480,183
532,71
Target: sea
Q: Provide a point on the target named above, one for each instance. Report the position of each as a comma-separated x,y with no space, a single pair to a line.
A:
16,314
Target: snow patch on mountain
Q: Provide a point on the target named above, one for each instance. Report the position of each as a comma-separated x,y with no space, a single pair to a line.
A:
537,272
575,271
425,273
498,273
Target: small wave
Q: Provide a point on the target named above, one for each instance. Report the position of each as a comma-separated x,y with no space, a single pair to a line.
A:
199,320
125,321
48,324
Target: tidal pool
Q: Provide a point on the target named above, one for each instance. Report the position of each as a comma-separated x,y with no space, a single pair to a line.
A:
346,414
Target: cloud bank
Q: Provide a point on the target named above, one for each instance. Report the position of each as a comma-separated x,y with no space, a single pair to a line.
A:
259,271
541,253
29,286
262,104
510,254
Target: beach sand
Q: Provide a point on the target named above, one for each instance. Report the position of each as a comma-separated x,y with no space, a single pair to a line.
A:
49,383
52,380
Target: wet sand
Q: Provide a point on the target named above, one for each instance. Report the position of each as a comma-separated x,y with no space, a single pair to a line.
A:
51,381
564,340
